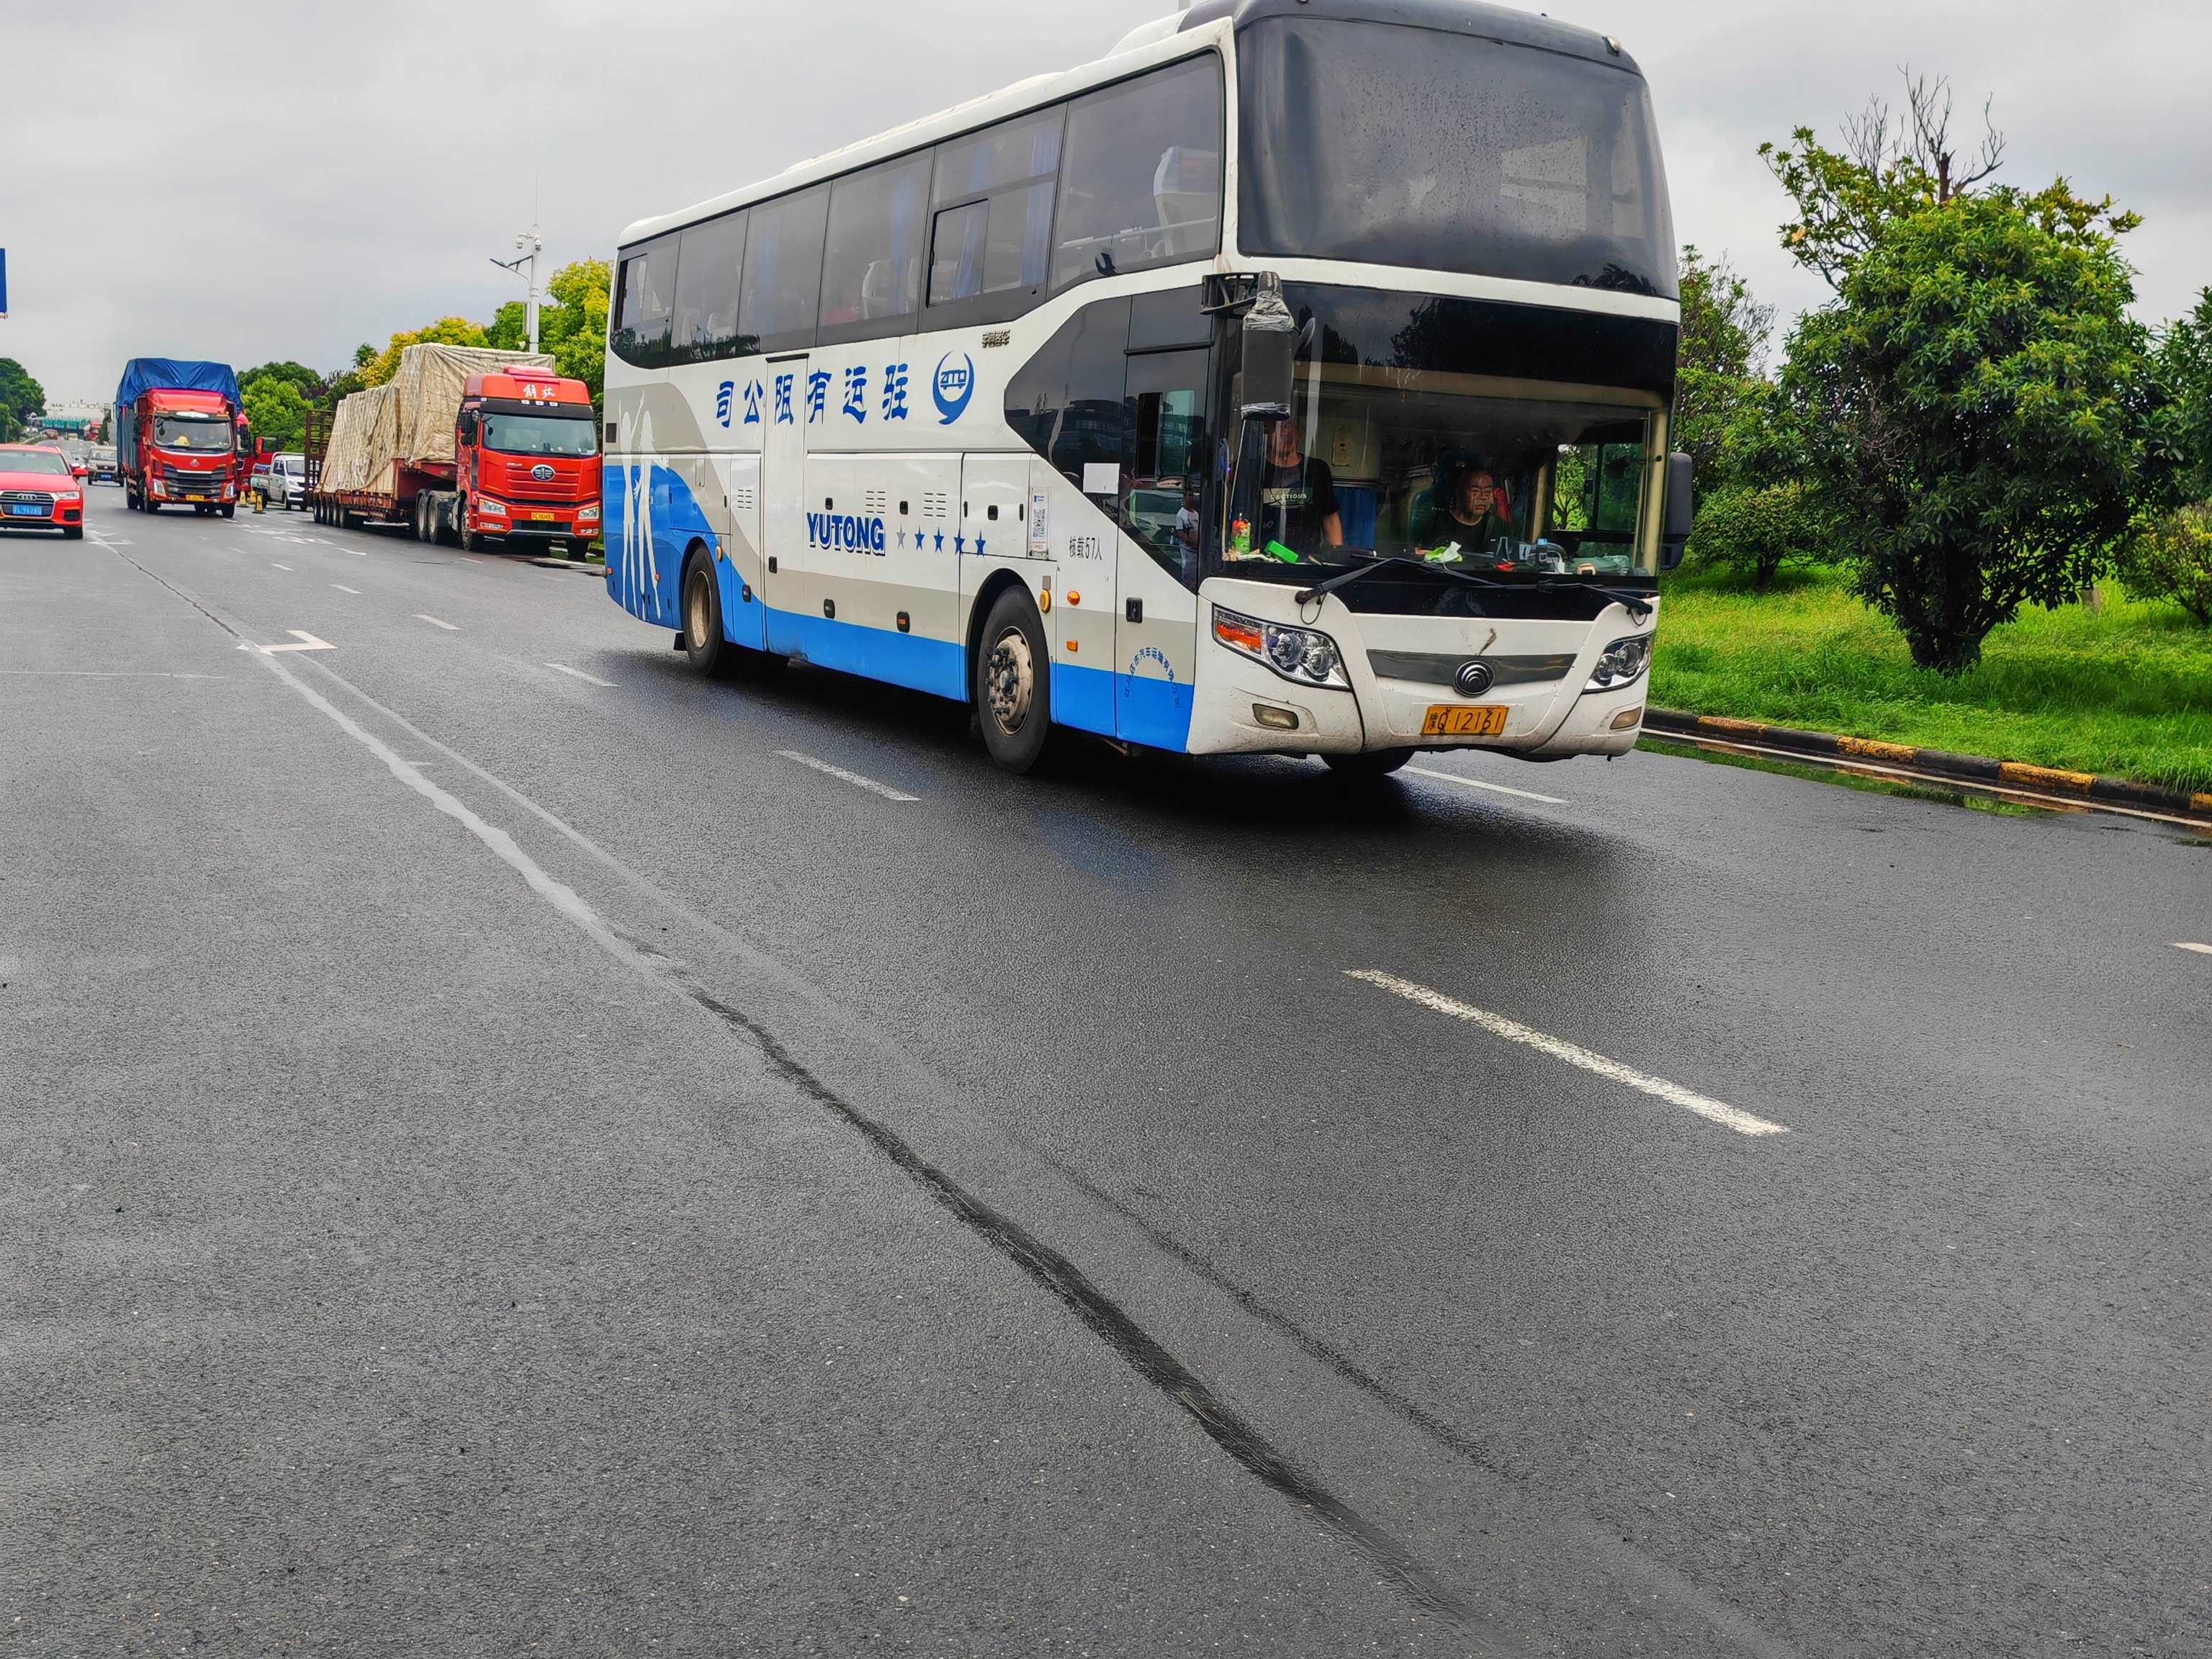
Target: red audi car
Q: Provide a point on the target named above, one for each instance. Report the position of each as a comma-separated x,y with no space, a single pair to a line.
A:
40,490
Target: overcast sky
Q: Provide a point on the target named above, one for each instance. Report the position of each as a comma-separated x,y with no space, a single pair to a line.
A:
248,181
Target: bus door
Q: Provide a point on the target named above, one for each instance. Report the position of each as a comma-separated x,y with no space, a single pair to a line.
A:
1156,648
783,507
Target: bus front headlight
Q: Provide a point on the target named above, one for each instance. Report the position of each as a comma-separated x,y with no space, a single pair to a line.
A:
1622,662
1298,654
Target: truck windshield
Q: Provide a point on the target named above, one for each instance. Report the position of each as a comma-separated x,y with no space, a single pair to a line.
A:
1406,146
539,435
204,434
1388,463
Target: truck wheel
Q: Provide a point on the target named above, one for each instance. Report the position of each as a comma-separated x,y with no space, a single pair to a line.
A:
465,533
422,509
1013,683
230,509
703,643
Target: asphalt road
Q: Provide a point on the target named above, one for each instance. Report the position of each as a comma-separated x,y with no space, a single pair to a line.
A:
510,1146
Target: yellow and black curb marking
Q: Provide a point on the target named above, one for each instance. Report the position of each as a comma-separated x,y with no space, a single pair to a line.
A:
2036,786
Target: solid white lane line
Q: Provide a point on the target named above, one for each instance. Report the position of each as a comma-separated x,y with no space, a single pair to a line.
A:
1496,788
2204,950
342,588
563,667
451,628
853,777
1513,1031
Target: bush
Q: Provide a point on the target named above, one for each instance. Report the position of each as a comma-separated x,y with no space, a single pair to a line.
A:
1754,531
2172,559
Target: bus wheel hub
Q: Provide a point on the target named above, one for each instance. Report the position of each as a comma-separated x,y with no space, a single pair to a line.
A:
1010,680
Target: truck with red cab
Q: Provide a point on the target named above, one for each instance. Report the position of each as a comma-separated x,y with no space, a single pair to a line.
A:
468,445
178,426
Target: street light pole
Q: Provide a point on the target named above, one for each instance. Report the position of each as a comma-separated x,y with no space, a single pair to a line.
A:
531,244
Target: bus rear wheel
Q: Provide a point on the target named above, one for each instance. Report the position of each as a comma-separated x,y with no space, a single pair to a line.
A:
1013,683
703,643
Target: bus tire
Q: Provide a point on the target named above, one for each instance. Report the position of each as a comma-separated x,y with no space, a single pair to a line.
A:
1013,682
1369,763
703,643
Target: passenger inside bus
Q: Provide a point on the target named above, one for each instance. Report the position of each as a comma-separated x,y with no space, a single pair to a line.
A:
1297,498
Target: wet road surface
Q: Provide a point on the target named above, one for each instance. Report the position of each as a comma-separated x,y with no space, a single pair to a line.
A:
509,1144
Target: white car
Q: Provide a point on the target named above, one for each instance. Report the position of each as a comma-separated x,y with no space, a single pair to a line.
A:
287,480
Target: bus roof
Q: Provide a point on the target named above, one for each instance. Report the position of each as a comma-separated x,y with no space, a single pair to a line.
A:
1181,35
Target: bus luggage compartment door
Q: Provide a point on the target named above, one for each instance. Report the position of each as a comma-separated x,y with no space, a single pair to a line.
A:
783,510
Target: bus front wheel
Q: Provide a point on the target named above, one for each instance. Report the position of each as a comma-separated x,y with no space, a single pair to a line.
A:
1013,683
703,642
1370,764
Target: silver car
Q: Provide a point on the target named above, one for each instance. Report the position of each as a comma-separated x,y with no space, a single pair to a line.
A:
286,480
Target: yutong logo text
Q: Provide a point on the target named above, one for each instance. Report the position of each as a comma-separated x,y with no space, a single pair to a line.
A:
842,530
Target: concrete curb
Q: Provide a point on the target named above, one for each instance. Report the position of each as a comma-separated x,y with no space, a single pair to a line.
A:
1975,772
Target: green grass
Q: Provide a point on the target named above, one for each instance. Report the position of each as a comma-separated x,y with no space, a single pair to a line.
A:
2126,688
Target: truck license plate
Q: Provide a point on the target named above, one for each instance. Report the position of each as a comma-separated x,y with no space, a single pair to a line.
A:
1448,720
544,518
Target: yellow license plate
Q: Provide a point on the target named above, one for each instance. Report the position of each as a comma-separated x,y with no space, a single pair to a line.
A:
546,517
1454,720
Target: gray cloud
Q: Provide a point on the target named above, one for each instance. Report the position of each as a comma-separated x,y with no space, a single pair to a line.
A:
259,180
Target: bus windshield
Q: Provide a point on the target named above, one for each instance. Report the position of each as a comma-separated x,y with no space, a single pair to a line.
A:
1391,463
204,434
1406,146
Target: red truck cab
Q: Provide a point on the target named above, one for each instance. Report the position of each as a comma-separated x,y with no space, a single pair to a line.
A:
526,457
184,450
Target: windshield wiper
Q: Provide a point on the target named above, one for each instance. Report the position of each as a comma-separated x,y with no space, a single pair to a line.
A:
1634,603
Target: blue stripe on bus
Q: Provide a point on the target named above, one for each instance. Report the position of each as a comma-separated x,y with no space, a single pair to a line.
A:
1083,697
939,667
1155,712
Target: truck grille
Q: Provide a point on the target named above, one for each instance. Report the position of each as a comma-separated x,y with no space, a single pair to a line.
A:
32,497
208,483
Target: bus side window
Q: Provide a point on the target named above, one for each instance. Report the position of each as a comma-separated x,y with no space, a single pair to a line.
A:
782,285
1141,183
644,303
707,290
872,272
992,200
1066,400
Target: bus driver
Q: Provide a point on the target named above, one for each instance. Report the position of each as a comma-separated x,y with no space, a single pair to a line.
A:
1298,496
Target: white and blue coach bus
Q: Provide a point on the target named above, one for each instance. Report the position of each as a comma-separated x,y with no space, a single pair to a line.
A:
1294,378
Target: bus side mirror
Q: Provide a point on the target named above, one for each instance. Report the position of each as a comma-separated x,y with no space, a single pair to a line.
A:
1680,512
1270,348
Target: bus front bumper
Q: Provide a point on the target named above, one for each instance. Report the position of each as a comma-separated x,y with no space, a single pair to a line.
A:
1399,683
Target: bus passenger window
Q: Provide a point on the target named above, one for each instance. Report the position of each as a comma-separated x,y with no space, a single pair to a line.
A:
998,236
1142,182
782,284
707,290
871,271
644,303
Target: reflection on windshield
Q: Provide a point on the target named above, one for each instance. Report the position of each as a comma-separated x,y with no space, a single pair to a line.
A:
204,434
1409,463
539,435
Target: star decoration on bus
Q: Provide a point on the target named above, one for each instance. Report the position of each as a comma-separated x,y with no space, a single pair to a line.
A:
940,541
959,544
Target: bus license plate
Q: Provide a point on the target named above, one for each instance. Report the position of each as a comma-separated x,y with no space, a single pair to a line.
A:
1448,720
544,518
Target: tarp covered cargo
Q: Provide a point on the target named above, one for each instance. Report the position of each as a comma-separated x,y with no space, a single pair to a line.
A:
430,381
143,375
346,460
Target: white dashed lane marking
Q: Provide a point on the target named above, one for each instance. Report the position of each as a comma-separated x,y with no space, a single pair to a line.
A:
853,777
451,628
562,667
2203,950
1477,783
280,567
1513,1031
342,588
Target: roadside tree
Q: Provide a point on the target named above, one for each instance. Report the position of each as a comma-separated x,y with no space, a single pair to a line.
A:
277,410
2180,461
20,398
571,326
1973,401
2171,558
446,330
